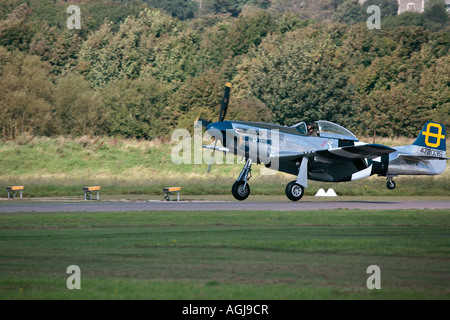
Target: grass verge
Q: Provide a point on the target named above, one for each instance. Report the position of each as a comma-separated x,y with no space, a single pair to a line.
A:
62,167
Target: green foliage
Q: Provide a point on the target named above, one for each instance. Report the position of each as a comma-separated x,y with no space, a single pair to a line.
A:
7,6
435,18
107,56
249,109
381,110
78,108
26,93
15,31
396,87
301,79
410,40
60,49
306,9
198,97
51,12
249,30
136,107
436,11
407,18
435,89
176,58
94,13
136,71
290,22
233,7
181,9
349,12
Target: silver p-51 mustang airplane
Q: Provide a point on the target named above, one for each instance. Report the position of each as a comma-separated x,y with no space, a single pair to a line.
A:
323,151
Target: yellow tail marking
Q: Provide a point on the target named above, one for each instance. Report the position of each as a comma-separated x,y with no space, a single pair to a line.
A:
429,134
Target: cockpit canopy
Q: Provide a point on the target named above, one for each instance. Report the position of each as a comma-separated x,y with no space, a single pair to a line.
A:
326,129
301,127
329,129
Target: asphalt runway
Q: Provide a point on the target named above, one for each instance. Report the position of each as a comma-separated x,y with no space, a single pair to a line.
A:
219,205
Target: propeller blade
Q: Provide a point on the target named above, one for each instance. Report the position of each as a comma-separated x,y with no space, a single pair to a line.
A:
226,98
212,157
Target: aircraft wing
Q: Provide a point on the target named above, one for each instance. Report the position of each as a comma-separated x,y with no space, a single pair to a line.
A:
289,155
335,164
363,151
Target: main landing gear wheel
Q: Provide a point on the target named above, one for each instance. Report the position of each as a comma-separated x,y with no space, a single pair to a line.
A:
294,191
240,190
390,184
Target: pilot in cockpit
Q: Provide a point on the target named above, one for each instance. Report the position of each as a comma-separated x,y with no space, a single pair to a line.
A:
312,130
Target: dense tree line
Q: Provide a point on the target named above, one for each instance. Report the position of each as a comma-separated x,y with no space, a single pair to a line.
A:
141,68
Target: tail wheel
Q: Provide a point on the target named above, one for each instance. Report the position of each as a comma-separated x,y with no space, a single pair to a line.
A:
390,184
240,190
294,191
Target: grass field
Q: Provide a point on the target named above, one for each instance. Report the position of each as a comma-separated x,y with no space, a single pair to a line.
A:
226,255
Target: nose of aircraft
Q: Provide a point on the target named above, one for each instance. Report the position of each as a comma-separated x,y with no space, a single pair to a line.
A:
218,126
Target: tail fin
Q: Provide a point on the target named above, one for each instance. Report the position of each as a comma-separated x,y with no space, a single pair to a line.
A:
432,136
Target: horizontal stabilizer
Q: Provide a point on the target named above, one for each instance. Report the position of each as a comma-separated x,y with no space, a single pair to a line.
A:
413,157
